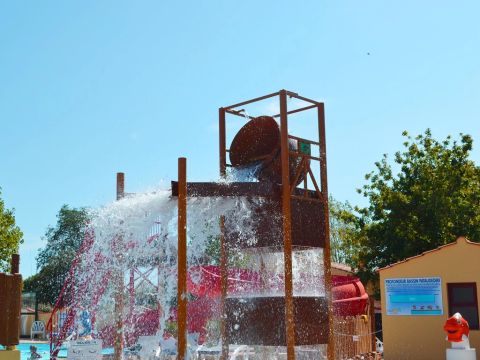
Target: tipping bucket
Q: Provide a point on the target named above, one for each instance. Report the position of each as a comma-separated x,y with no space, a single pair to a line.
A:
257,143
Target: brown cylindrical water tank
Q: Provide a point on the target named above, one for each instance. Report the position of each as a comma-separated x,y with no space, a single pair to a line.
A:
257,143
10,306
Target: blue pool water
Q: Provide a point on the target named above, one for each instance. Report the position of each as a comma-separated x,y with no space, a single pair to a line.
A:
44,351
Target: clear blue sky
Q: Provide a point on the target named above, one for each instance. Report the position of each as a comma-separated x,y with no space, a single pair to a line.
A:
89,88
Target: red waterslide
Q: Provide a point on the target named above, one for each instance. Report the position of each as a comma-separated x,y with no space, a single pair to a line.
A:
349,295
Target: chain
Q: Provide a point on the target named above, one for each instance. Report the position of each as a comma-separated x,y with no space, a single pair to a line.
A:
367,334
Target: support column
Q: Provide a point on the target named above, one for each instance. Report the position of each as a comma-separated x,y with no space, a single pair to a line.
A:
326,250
120,185
15,264
222,142
131,307
119,282
15,295
131,291
287,228
224,285
371,314
182,260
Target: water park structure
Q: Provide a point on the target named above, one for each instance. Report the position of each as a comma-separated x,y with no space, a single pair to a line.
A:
283,162
145,267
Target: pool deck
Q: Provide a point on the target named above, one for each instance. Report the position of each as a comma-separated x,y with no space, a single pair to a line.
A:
35,341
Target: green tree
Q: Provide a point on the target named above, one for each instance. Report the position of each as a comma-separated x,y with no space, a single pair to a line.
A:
434,197
10,236
344,232
54,261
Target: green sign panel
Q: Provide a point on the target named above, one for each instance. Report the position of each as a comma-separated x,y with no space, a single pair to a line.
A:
304,148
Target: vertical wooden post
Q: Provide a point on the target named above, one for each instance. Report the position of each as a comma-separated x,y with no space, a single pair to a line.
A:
16,299
372,324
120,185
287,228
4,302
131,306
13,308
36,308
224,285
222,142
15,264
160,292
119,282
326,251
182,259
131,290
223,252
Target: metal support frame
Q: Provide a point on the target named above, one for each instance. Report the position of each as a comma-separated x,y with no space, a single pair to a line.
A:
326,251
287,189
223,252
182,260
287,228
224,286
222,141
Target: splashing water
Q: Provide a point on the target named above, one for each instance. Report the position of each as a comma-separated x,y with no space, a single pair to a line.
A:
132,246
136,237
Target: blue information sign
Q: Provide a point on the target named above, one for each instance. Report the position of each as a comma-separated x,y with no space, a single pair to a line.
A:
414,296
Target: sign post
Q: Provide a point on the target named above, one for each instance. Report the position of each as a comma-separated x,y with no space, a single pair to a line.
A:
85,350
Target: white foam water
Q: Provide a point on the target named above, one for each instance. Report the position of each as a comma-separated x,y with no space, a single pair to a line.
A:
140,232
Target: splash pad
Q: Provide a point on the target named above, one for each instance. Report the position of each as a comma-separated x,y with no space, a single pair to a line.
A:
237,265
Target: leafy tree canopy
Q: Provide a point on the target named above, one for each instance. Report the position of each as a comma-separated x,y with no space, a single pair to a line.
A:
433,199
10,236
344,232
55,259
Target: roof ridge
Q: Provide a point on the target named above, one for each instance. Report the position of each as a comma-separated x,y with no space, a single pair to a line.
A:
429,251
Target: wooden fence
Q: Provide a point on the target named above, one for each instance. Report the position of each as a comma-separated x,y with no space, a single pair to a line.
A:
353,336
10,307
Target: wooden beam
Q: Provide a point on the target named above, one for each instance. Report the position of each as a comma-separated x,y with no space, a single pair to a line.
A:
224,285
326,250
287,228
182,260
236,189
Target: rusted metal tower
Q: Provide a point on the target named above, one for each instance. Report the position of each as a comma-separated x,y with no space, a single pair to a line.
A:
308,225
296,206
